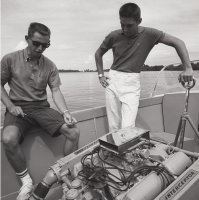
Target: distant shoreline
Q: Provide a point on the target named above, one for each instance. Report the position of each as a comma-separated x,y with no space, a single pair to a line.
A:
172,67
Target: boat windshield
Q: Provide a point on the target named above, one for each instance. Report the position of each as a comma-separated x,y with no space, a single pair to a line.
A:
159,80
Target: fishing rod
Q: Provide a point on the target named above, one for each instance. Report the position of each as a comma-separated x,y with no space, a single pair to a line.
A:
179,139
158,76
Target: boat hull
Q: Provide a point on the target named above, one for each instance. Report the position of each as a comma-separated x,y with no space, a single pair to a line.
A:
158,114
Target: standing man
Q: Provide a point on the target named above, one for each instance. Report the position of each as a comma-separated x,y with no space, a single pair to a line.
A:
131,45
28,73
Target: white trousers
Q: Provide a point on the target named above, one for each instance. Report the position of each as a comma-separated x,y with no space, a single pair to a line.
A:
122,99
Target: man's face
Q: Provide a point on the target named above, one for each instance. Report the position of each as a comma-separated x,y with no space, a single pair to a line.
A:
37,44
129,26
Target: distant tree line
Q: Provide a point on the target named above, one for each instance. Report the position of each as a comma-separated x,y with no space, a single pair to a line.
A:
152,68
195,66
144,68
68,70
179,67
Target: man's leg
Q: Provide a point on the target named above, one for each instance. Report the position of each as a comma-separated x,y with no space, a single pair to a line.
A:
72,138
129,113
130,103
129,90
15,155
53,122
113,109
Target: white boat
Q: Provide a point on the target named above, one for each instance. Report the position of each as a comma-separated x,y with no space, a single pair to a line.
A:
160,115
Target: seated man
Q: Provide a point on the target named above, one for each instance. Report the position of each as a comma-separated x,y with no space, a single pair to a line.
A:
27,73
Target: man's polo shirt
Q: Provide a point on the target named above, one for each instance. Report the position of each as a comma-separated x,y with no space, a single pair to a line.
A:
28,83
129,54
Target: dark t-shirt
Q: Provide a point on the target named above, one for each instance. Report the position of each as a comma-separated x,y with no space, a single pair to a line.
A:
129,54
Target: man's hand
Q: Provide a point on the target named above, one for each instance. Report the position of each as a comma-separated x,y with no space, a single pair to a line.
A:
70,121
16,110
186,75
104,81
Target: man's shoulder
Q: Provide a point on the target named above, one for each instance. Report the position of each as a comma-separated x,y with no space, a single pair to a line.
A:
12,55
114,35
152,34
48,62
150,30
116,32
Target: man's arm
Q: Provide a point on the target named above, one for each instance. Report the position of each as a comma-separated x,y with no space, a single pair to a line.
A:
5,77
60,102
179,45
15,110
99,64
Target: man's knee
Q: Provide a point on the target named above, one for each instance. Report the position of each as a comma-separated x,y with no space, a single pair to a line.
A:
72,133
10,136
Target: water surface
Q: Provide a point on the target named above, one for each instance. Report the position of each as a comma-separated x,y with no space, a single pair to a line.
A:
82,89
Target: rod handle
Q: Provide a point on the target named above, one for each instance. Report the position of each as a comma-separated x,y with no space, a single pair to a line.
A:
189,85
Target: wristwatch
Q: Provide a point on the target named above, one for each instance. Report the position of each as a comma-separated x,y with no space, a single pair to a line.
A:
100,75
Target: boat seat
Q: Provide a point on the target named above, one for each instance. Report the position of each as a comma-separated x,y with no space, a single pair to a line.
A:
173,107
189,144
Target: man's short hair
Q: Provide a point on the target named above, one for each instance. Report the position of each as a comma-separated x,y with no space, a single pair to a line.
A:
130,10
38,27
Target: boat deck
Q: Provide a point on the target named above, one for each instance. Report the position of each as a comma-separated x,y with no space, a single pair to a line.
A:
159,114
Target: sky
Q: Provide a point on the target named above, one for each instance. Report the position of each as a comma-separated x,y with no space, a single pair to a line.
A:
79,26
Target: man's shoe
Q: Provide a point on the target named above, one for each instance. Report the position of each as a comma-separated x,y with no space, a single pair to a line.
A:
25,191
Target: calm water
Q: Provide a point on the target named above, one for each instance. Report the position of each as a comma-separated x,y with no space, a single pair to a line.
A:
82,90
